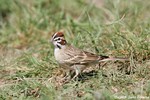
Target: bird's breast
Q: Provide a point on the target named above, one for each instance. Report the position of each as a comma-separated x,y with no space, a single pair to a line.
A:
60,55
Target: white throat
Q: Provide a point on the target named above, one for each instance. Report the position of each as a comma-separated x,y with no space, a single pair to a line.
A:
58,53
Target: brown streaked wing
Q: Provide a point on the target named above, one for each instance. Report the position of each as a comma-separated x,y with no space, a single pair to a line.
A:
73,55
78,56
90,57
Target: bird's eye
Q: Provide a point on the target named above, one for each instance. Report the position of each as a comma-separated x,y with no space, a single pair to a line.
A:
58,39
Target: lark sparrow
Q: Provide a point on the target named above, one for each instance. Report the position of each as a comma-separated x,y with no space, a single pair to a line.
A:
72,58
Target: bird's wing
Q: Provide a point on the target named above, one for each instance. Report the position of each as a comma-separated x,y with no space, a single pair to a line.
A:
78,56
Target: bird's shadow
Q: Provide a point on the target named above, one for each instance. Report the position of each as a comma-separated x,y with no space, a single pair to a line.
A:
87,75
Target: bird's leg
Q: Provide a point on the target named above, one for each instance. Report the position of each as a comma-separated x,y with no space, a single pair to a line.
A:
76,74
67,71
77,69
67,76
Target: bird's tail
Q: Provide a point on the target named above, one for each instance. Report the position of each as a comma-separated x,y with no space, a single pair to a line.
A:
109,58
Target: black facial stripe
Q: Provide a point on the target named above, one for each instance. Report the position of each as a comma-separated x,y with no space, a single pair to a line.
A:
54,36
59,46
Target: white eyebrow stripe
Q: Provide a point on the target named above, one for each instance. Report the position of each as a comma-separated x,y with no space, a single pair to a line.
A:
62,38
54,35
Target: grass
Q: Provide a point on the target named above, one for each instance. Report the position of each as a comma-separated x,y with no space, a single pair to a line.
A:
28,70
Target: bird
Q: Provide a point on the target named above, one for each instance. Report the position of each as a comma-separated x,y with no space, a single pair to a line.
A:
74,59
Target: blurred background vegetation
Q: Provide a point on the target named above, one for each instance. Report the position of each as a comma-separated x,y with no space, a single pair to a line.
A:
109,27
